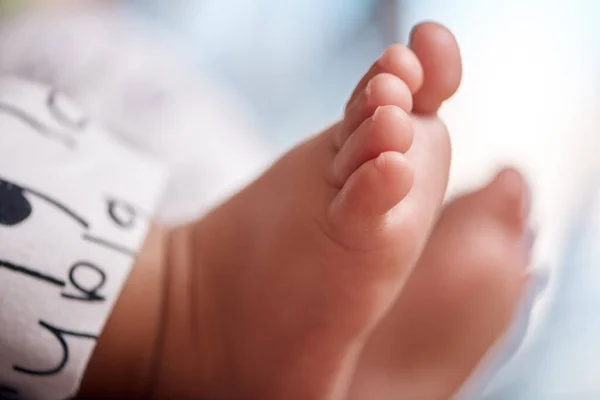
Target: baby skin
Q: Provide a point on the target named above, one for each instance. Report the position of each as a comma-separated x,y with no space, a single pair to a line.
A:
459,300
274,294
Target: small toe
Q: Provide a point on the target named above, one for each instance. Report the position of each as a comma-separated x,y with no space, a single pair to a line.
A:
389,129
397,60
369,194
384,89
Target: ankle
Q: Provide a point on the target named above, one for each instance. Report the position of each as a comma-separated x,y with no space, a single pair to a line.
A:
125,355
191,356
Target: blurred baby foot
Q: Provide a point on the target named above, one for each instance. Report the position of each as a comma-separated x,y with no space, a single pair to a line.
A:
459,300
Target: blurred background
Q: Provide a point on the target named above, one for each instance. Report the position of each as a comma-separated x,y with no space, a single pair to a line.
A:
233,83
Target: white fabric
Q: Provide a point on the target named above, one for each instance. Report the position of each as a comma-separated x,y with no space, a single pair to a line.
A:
74,210
138,83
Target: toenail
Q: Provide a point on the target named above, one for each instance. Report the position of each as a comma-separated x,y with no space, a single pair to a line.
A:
382,55
380,161
391,114
377,112
387,55
368,89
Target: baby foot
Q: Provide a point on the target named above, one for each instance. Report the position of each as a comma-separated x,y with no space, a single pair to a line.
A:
459,300
273,293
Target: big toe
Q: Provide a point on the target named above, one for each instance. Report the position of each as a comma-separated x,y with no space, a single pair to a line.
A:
491,226
438,52
508,197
